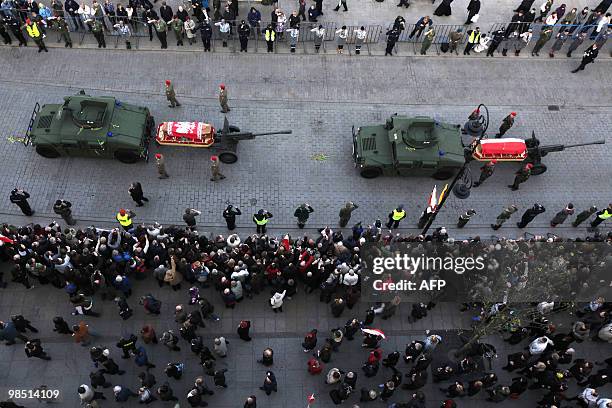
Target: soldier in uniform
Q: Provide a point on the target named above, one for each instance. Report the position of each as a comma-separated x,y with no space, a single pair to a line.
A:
64,30
179,28
562,215
588,57
20,198
584,215
223,99
545,36
5,35
465,218
171,95
206,33
521,176
302,213
506,124
98,31
63,208
261,219
215,169
160,31
392,37
530,214
160,162
486,171
230,214
559,41
454,39
345,213
243,34
427,40
504,216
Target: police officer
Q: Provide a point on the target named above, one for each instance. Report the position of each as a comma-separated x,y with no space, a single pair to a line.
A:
13,24
521,176
530,214
602,215
588,57
5,36
506,124
302,213
261,219
504,216
498,37
63,209
473,39
465,218
584,215
206,33
230,214
345,213
20,198
223,99
215,169
244,30
125,218
396,216
36,34
171,94
98,31
392,37
486,171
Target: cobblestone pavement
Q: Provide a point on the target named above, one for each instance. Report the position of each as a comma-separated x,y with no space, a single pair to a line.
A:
320,99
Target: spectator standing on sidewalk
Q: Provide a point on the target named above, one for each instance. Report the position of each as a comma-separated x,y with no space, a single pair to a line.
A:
420,25
125,33
319,35
560,39
341,3
545,36
427,40
473,39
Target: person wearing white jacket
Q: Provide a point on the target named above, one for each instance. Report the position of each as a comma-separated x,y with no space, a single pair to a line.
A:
604,403
350,278
276,301
333,376
539,345
87,395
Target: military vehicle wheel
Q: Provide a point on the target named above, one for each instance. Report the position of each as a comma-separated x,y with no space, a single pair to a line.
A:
444,173
126,156
370,172
228,157
538,169
234,129
47,151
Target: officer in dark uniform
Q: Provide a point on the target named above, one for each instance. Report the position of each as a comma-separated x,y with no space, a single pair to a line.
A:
530,214
63,209
584,215
302,213
206,33
498,37
20,197
230,214
521,176
465,218
392,37
13,24
244,30
588,57
150,16
506,125
4,33
486,171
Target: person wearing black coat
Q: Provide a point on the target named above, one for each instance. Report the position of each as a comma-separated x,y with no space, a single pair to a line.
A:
351,328
219,378
137,194
473,9
165,393
392,359
243,330
206,32
519,385
110,367
61,326
22,324
269,384
230,211
310,340
150,15
415,380
524,6
530,214
421,363
146,379
166,12
251,402
98,380
516,361
474,387
498,37
244,30
20,197
444,9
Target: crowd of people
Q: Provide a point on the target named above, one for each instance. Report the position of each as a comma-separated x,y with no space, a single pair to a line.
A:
28,19
107,265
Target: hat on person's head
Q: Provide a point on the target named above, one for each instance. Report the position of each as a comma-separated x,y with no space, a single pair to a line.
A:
222,86
513,114
158,156
122,211
529,166
214,158
168,82
28,21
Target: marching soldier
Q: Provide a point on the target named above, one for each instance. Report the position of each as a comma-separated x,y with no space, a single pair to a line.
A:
602,216
562,215
223,99
160,162
20,198
98,31
64,30
230,214
345,213
530,214
588,57
504,216
506,124
36,35
261,219
396,216
465,218
486,171
521,176
171,95
63,209
584,215
215,169
302,213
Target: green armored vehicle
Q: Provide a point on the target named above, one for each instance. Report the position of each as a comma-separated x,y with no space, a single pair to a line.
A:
406,146
92,127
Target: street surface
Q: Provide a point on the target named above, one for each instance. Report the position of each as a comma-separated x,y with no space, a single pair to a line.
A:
319,99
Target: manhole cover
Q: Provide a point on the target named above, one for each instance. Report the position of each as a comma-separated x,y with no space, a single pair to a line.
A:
553,107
